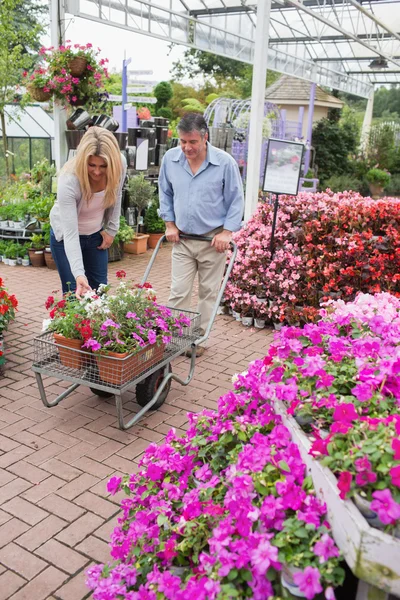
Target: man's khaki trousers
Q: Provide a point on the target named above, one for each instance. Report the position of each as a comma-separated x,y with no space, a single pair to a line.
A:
188,258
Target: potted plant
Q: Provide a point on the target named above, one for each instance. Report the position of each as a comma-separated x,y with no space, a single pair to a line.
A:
76,75
154,225
8,306
70,326
124,235
140,192
37,84
377,180
130,331
36,251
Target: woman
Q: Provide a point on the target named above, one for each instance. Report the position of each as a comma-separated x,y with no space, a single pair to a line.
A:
85,217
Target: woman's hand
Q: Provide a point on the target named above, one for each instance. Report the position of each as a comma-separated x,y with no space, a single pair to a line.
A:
82,286
107,240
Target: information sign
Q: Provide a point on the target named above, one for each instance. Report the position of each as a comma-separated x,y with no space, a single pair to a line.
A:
283,165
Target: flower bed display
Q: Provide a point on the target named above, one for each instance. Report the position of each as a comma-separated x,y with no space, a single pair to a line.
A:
326,246
8,306
225,512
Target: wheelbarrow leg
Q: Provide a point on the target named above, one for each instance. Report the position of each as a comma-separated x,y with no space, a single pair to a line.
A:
56,400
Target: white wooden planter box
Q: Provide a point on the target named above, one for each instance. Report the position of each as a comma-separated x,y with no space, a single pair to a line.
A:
373,556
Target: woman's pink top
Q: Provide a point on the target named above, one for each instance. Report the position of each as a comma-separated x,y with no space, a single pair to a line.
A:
91,216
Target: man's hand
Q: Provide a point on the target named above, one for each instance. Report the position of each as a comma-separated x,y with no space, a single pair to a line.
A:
221,240
82,286
172,233
107,240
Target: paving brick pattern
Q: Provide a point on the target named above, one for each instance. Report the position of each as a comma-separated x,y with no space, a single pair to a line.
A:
55,514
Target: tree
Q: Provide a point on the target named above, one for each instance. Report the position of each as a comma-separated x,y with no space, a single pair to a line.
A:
15,56
163,92
233,77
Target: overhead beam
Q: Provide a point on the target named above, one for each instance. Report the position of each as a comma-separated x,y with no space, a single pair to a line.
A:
141,16
332,38
372,72
349,58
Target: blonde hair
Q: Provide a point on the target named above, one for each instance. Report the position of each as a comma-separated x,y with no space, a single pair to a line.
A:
97,142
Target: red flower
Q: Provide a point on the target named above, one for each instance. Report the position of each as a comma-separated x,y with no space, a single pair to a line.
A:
121,274
49,302
344,483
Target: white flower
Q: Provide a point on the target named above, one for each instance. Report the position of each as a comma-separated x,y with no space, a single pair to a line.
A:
45,324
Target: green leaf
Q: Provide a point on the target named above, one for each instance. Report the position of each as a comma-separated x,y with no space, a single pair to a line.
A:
284,466
161,520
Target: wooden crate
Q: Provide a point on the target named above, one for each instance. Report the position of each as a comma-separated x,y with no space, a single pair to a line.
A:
373,556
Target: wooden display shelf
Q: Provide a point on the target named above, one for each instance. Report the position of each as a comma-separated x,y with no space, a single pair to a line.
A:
372,555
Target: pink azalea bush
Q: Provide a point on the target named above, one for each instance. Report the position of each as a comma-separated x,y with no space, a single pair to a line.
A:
340,379
217,513
327,246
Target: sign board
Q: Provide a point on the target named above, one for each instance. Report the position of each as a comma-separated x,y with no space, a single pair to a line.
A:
143,82
140,89
283,165
144,72
142,99
127,106
138,99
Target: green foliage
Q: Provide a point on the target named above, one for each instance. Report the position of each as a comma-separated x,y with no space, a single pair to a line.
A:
163,92
42,173
14,58
140,193
393,188
41,206
152,222
211,97
37,241
342,183
164,112
378,176
192,105
387,100
125,232
381,145
333,144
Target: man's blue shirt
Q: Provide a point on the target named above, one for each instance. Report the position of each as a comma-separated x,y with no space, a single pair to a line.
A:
199,203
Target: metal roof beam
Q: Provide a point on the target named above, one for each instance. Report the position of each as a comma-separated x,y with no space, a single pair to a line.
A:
348,58
331,38
372,72
144,17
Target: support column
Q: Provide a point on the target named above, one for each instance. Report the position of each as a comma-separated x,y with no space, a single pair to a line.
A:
257,107
300,122
309,127
57,32
366,126
283,123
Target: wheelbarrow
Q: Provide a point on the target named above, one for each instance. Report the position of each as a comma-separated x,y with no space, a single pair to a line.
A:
149,369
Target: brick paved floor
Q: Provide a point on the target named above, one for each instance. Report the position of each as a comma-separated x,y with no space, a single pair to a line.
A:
55,513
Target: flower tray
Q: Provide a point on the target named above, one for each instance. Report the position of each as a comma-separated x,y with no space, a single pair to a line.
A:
117,368
372,555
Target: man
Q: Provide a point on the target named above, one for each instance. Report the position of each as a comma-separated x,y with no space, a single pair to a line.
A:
201,193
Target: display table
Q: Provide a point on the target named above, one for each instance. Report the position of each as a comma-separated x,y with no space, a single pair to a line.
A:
373,556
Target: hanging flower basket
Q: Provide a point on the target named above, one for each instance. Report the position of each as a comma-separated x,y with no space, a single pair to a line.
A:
39,94
77,66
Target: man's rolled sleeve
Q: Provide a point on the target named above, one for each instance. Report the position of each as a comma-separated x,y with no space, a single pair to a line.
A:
233,197
166,194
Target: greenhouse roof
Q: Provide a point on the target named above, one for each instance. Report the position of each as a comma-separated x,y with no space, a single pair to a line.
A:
28,122
348,45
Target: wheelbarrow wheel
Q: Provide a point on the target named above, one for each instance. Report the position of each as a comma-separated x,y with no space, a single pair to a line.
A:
146,389
101,393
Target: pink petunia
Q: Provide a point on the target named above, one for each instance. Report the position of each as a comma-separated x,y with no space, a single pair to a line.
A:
345,412
395,475
325,548
396,448
113,485
387,508
308,582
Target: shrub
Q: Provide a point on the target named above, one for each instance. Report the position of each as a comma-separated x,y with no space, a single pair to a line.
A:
378,176
152,222
164,112
339,183
393,186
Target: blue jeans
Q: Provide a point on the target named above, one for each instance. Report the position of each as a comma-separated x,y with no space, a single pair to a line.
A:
95,261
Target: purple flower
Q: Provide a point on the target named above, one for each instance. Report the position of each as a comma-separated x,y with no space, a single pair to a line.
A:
308,582
345,412
152,336
365,477
113,485
330,594
93,344
109,323
132,315
325,548
362,391
263,556
387,508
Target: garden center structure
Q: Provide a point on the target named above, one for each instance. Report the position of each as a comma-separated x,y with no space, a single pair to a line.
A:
347,45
